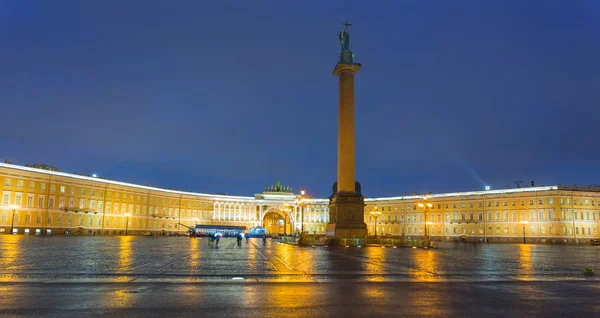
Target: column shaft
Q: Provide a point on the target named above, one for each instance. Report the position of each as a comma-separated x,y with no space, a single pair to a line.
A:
346,132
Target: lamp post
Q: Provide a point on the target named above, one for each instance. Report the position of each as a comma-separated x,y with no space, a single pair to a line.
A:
193,232
424,207
301,203
427,224
14,208
524,222
376,215
127,222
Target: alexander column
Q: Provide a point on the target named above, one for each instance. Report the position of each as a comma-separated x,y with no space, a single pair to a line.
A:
346,205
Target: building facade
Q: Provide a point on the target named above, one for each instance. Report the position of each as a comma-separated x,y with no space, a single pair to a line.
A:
36,201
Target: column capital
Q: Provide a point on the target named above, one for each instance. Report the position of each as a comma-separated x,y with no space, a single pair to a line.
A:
343,67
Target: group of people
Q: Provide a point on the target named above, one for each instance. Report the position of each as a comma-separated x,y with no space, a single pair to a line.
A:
214,239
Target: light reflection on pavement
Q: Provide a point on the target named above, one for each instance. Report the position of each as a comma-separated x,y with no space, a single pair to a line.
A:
127,259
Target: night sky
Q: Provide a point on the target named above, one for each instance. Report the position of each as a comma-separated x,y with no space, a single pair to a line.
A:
229,96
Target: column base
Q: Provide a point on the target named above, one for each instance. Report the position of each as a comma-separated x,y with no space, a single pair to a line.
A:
346,217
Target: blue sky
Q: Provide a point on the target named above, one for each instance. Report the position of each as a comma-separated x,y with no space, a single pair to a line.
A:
229,96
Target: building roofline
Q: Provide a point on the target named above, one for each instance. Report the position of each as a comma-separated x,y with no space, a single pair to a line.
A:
313,200
468,193
119,183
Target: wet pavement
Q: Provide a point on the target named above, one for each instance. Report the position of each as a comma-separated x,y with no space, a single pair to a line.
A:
36,259
157,276
340,299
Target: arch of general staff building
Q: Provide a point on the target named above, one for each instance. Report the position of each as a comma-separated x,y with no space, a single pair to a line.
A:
43,202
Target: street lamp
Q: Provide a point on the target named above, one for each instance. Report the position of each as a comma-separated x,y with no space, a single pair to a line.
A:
14,208
524,222
376,215
427,224
301,202
127,222
424,207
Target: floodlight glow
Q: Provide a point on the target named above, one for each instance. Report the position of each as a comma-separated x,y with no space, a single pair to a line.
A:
488,188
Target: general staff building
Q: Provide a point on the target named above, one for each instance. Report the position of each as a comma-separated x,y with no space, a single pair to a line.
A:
37,201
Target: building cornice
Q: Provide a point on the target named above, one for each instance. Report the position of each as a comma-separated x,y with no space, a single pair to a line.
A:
253,199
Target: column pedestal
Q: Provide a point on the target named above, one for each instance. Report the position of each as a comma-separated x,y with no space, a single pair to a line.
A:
346,217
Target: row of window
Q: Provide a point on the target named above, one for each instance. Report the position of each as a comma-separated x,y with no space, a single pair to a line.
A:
479,230
495,216
81,220
549,201
117,195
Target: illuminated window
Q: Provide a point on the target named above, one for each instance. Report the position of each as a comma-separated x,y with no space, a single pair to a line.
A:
7,182
62,189
19,183
550,201
42,186
5,199
31,185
